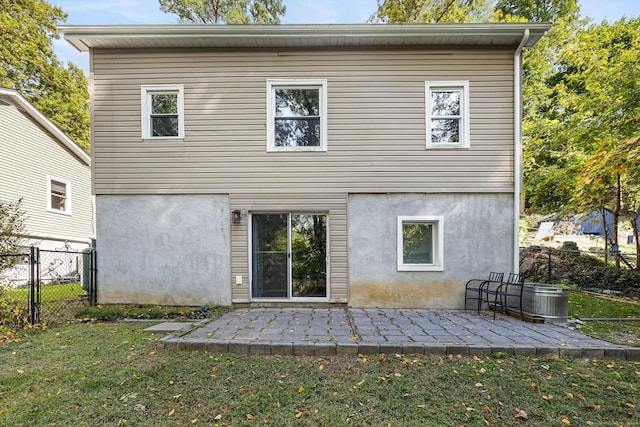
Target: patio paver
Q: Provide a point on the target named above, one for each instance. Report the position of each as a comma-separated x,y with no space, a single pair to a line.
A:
331,331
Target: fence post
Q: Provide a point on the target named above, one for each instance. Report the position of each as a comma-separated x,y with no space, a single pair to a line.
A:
93,299
34,285
549,267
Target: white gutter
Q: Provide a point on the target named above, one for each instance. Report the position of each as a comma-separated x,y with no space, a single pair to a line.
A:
517,148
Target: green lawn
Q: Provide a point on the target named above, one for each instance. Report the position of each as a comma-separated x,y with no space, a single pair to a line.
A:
114,374
622,332
586,306
48,292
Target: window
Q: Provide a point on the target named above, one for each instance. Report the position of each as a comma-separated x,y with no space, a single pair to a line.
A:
296,115
59,195
420,243
162,112
447,108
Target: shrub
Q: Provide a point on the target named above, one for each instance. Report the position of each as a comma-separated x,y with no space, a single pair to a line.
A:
582,270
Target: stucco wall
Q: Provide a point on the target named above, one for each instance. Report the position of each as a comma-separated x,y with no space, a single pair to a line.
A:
163,249
478,238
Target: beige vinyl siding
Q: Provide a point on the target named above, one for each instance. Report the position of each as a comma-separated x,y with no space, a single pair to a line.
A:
29,156
335,205
376,122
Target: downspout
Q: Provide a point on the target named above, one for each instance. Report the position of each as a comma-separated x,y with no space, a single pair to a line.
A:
517,148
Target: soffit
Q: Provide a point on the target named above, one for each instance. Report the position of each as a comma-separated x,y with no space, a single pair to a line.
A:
88,37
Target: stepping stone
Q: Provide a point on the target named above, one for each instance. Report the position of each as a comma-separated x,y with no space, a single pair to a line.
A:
168,327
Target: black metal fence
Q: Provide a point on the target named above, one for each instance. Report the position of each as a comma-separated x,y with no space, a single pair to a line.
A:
47,286
590,270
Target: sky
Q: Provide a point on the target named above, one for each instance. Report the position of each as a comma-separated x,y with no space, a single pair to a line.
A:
112,12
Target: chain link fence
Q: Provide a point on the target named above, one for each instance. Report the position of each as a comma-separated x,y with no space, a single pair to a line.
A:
48,285
615,273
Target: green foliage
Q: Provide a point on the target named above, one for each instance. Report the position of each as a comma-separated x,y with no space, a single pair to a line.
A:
29,65
225,11
145,311
537,10
583,271
582,112
414,11
11,232
14,314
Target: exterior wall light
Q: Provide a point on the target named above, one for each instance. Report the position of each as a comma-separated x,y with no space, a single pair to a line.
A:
236,216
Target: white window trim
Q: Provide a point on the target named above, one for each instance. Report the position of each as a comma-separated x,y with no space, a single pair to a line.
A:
145,93
438,243
464,110
68,204
272,84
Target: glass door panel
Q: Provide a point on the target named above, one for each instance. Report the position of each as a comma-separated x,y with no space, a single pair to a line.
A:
308,255
270,249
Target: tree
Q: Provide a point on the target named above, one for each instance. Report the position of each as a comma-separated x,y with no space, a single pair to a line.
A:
225,11
432,11
11,232
599,82
551,160
29,65
538,10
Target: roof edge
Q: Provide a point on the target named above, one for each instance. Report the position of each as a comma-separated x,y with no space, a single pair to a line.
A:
21,102
80,35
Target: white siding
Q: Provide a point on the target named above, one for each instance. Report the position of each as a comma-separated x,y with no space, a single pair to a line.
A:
29,156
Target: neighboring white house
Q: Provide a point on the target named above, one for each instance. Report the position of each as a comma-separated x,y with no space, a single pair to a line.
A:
369,165
49,172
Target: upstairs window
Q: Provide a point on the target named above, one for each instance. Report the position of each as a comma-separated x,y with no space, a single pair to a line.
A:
59,195
447,108
162,112
297,115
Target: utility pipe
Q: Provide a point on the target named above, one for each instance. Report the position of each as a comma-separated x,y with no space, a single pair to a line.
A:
517,148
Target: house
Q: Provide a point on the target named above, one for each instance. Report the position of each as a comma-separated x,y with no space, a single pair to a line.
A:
593,223
45,169
368,165
49,172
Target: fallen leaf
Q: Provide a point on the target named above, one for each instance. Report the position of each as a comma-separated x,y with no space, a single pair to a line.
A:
486,409
300,389
171,412
547,397
298,414
194,421
566,421
522,415
218,417
250,417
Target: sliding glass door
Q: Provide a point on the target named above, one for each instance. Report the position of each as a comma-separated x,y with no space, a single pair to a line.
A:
289,255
